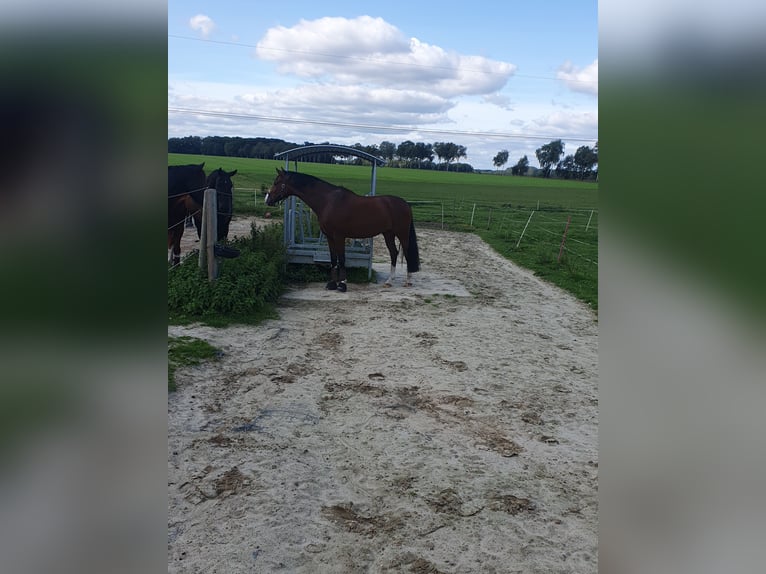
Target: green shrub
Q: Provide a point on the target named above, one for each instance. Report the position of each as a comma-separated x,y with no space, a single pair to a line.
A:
246,288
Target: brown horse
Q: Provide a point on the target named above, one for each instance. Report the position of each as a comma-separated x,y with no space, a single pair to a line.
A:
343,214
184,182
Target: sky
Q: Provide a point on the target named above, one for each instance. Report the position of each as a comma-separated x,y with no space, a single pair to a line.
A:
489,76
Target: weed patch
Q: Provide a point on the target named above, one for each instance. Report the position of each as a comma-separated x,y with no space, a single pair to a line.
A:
185,352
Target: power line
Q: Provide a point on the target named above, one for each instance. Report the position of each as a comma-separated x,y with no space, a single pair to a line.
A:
374,60
372,127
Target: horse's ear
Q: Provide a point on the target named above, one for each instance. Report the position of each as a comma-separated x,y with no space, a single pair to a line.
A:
202,165
279,171
233,173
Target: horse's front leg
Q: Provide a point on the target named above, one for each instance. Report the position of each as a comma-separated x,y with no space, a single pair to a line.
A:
332,284
342,267
174,245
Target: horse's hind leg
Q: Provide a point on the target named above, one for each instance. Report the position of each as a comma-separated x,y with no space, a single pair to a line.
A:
404,244
337,263
391,244
342,266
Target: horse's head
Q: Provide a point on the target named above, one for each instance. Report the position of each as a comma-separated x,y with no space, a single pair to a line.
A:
220,180
280,189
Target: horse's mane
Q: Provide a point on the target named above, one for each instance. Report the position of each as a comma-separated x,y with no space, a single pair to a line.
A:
304,179
187,167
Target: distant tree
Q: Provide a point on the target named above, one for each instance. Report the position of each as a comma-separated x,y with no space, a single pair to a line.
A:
463,168
585,158
462,151
549,155
372,149
566,169
521,166
188,144
500,159
445,151
233,147
387,150
405,151
595,151
448,151
423,153
213,145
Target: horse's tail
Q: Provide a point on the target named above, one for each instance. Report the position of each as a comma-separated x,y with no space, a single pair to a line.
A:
413,257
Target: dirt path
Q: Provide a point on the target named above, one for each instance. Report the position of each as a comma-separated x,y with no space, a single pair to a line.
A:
448,427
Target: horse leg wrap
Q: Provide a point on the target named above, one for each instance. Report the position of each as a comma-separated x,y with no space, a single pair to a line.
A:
175,258
332,284
342,279
391,276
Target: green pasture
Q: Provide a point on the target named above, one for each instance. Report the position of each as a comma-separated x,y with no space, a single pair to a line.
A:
496,207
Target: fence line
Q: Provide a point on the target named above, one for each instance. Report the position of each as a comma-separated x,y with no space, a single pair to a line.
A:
186,192
578,241
568,250
532,229
184,219
516,223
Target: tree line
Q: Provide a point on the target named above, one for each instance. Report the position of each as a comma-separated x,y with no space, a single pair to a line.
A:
580,165
407,154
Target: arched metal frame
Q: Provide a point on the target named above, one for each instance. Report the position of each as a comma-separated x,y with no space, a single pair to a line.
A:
306,245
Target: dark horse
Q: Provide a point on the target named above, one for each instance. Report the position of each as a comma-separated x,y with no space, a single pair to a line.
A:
220,180
343,214
186,192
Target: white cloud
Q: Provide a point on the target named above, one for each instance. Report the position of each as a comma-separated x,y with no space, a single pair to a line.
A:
342,76
567,124
583,80
499,100
316,38
202,23
370,51
330,103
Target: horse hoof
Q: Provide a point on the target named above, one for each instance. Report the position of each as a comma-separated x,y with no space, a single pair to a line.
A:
386,284
342,287
331,285
408,284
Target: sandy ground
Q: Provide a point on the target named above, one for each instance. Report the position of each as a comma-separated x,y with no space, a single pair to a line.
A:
447,427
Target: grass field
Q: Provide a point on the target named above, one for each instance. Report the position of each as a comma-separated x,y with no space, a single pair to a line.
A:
496,207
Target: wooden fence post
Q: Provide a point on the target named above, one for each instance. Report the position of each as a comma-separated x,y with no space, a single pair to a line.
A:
209,235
